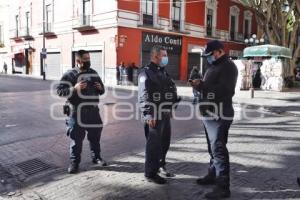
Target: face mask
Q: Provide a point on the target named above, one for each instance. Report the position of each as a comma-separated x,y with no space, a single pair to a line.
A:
86,65
164,61
211,59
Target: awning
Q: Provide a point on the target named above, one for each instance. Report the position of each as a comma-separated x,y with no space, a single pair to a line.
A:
267,51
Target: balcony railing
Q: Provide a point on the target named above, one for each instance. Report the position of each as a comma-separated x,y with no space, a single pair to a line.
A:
232,35
236,36
176,25
147,20
15,34
246,36
48,28
83,22
26,33
211,32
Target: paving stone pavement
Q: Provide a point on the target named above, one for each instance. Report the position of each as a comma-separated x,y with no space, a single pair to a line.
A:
264,165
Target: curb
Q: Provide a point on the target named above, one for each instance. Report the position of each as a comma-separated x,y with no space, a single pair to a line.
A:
25,77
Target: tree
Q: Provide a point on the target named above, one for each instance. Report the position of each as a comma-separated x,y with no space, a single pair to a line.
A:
280,21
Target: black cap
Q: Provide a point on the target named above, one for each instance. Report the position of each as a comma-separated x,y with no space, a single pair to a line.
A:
212,46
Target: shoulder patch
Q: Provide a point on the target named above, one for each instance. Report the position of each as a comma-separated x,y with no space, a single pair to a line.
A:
142,79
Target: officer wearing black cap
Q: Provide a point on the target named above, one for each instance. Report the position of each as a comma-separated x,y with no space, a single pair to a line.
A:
157,96
82,86
218,88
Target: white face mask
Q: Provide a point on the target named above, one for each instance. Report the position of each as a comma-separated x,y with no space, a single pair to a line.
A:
164,61
210,59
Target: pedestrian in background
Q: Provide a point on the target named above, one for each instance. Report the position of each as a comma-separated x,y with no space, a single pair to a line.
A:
119,71
218,88
5,68
130,73
195,74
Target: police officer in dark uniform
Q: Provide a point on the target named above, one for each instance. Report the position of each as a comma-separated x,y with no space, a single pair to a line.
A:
157,95
218,88
82,86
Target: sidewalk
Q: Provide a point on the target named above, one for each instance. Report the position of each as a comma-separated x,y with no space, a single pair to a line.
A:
265,168
264,155
279,102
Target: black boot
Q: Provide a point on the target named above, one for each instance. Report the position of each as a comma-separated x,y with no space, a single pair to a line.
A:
221,190
218,193
298,181
209,179
73,168
99,161
156,179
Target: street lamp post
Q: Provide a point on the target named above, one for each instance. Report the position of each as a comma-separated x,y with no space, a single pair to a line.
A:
44,52
252,42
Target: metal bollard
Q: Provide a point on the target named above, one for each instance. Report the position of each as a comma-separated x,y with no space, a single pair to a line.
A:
252,92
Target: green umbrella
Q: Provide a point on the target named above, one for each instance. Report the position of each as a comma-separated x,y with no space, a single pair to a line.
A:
267,51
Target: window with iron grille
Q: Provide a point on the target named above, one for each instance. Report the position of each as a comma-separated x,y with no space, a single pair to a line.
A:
209,22
48,17
247,31
147,9
232,27
86,12
27,23
176,14
17,25
1,42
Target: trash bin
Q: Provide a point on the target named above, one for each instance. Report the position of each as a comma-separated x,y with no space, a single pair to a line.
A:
135,77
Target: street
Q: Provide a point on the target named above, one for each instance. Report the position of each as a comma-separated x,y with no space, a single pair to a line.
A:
264,149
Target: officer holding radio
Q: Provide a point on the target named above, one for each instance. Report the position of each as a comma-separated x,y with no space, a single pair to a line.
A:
82,87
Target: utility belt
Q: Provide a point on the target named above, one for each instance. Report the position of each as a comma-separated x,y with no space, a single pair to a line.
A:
68,108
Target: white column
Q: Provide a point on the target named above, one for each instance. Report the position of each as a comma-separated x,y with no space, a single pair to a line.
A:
182,15
155,13
171,17
141,13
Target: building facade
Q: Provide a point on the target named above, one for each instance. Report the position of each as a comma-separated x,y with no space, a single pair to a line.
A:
4,37
122,30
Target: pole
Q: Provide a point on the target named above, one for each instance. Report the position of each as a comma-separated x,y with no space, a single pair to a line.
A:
43,51
251,88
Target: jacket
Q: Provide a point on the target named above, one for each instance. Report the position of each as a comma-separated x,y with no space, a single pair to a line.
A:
157,92
66,86
218,87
